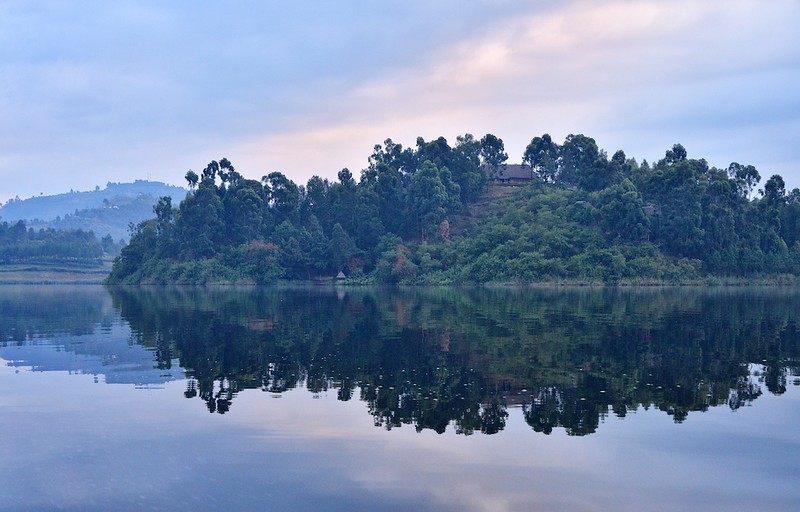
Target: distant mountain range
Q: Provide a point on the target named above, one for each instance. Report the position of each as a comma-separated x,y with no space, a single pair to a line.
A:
106,211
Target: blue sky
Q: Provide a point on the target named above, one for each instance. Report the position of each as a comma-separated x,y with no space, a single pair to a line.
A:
96,91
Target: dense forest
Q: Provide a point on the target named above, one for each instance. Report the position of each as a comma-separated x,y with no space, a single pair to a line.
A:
442,214
21,244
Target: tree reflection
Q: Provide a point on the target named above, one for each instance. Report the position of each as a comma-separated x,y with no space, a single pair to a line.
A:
34,312
435,358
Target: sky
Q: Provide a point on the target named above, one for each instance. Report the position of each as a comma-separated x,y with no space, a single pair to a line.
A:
95,91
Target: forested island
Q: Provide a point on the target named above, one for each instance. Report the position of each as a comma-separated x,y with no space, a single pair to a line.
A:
441,214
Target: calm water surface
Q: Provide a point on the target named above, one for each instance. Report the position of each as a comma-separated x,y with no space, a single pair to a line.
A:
366,399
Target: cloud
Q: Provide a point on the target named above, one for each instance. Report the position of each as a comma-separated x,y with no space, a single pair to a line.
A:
111,89
635,75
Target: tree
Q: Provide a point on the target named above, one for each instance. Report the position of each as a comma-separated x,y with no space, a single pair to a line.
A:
770,207
108,243
284,196
428,198
209,174
264,261
583,164
343,197
191,179
619,165
676,154
341,247
775,191
678,186
437,151
227,173
746,178
163,210
790,219
465,165
393,155
493,152
542,155
244,204
381,187
200,225
165,215
621,213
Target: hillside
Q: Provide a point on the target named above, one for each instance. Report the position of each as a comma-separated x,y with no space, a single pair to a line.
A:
477,211
106,211
437,214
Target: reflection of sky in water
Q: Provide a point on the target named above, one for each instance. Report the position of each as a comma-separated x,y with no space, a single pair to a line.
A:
69,442
108,353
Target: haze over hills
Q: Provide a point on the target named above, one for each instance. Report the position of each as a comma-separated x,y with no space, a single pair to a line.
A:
106,211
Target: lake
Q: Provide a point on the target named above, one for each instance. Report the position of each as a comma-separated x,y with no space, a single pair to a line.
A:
571,399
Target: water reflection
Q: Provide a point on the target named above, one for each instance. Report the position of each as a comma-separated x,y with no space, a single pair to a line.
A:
44,312
459,358
75,329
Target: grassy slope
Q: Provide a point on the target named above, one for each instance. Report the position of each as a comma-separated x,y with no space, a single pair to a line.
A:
55,273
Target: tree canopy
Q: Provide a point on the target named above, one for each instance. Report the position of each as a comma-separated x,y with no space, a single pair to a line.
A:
434,214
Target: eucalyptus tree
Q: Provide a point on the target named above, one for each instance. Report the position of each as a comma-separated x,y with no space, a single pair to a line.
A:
428,198
542,155
493,152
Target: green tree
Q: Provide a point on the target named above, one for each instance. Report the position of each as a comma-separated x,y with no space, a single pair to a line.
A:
200,224
428,198
465,165
493,152
584,165
191,179
621,213
284,196
343,197
542,155
317,201
746,178
342,248
244,204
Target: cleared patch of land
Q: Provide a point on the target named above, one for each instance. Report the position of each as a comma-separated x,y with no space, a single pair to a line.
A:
55,273
479,209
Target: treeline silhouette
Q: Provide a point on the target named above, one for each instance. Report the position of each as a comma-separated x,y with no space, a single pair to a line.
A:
425,215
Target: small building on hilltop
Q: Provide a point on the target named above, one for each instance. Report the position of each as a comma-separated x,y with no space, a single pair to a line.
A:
510,173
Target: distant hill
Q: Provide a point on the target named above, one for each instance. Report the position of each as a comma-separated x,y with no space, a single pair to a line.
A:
105,211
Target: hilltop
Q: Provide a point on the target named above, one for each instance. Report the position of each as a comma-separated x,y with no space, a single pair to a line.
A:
441,214
107,211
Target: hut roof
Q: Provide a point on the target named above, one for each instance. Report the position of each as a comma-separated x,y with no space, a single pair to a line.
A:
513,172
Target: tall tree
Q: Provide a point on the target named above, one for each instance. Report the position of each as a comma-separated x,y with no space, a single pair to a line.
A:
746,178
191,179
427,198
465,165
583,164
493,152
284,196
542,155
